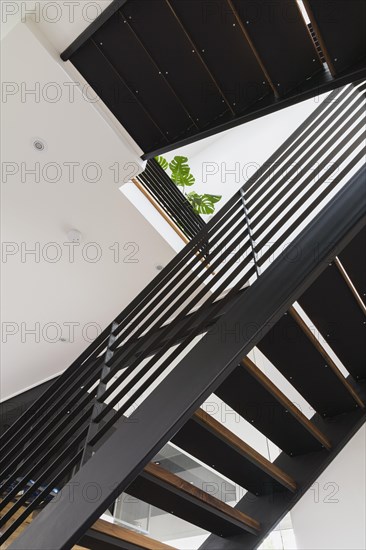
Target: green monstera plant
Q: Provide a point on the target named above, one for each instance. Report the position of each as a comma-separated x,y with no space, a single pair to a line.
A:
181,176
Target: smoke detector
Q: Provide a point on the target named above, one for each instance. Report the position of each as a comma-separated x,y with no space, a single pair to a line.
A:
74,236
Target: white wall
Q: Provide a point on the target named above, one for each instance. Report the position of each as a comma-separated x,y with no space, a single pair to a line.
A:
40,291
222,163
152,215
332,514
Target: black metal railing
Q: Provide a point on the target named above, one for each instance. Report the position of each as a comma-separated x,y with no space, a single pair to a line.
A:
134,353
171,199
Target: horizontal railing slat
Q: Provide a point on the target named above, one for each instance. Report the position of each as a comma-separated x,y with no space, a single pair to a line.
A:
222,257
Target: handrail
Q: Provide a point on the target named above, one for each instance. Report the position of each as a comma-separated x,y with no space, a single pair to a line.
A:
135,442
110,379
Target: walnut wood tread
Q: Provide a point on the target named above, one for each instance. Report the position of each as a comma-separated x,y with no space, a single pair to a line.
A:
100,526
179,497
249,392
281,398
212,443
246,450
136,539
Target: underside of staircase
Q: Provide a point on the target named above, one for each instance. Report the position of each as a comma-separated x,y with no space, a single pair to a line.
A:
280,269
308,446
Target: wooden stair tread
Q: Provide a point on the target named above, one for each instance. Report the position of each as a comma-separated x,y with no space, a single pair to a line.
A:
184,486
245,449
126,535
336,314
249,392
102,526
311,336
281,398
12,537
293,348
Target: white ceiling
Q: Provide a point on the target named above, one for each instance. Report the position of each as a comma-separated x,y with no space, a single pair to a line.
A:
60,22
42,212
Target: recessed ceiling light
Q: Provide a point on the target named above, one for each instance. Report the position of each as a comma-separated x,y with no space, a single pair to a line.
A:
38,144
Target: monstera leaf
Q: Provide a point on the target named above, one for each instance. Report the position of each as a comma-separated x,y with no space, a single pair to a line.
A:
187,181
203,204
163,162
181,172
181,175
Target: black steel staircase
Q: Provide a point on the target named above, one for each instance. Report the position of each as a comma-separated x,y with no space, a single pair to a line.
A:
176,71
142,381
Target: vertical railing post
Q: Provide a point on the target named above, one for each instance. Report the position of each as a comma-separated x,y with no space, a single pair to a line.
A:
250,233
93,427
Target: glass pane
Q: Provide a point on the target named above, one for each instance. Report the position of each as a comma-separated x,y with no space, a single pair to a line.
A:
176,461
132,512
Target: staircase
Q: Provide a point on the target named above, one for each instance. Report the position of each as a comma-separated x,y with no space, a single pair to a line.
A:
103,534
176,71
285,248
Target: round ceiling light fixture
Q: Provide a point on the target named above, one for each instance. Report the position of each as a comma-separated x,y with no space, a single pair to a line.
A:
39,145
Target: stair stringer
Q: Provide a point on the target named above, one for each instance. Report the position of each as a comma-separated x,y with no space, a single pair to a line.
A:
306,469
136,440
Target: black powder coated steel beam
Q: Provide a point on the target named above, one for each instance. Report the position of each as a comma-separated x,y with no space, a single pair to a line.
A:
331,128
279,36
252,401
335,313
13,408
218,37
307,210
319,84
271,509
122,99
189,114
120,460
206,445
340,27
296,139
197,328
177,56
92,28
196,511
93,540
180,264
296,357
126,52
162,185
353,259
